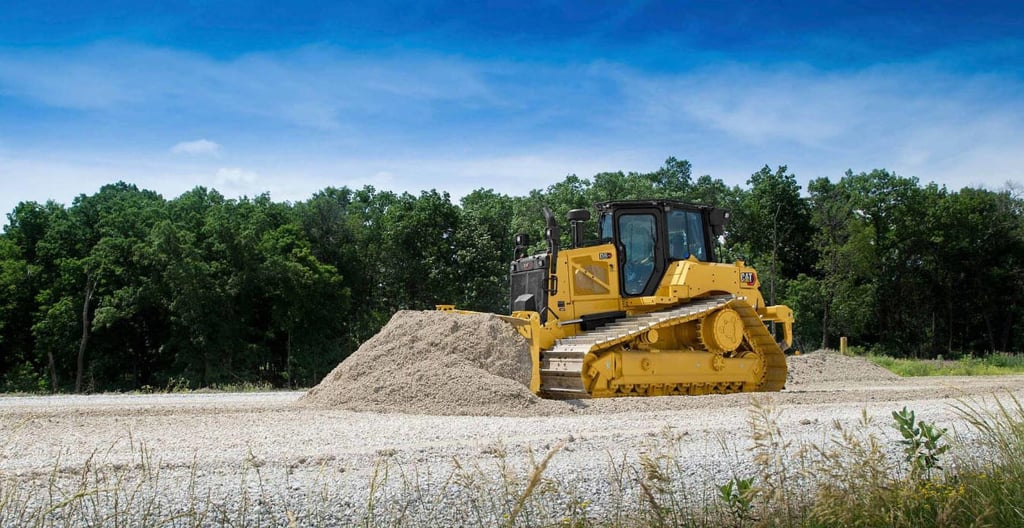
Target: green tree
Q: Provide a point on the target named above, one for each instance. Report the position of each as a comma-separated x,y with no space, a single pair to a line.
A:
974,257
21,278
893,209
334,224
847,261
198,289
20,369
673,180
88,256
64,291
484,249
714,192
418,236
307,304
772,225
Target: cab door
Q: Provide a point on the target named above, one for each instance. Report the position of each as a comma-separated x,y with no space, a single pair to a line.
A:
641,252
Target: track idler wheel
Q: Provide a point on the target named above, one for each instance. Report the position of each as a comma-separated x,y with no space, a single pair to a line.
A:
722,331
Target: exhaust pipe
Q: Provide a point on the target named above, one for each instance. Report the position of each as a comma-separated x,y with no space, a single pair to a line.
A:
552,235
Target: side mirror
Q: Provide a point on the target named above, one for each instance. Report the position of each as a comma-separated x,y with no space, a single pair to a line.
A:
718,219
578,215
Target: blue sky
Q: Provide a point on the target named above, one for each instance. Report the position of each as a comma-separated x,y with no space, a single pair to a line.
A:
291,97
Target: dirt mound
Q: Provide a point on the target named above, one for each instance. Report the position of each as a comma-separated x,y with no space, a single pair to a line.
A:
825,366
435,363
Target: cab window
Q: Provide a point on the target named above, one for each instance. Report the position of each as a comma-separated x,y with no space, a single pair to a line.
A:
604,228
638,237
695,236
686,235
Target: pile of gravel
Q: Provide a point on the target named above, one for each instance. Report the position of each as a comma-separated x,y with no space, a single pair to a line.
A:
824,366
434,362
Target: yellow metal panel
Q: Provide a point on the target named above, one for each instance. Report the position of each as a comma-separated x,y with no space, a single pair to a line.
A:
671,367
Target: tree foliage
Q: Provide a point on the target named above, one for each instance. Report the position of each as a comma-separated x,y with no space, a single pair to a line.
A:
124,289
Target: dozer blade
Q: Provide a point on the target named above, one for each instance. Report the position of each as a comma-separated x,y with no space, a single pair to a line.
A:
514,321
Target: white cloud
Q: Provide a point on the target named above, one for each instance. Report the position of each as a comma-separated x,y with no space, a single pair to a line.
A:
61,176
917,119
318,87
198,147
509,173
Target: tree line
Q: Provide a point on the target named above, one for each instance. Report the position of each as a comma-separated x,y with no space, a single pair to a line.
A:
124,289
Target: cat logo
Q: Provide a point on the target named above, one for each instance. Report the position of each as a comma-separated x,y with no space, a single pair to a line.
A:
748,278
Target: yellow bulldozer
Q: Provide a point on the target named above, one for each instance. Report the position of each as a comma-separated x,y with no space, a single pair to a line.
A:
645,310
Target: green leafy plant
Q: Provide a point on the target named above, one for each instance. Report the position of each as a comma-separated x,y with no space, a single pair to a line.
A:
922,442
738,496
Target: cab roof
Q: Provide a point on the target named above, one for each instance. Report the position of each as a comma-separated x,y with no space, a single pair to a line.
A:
641,204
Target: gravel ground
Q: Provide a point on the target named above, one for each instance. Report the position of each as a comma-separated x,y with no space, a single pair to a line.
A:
268,444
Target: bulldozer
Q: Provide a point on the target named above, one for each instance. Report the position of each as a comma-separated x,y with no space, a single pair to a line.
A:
646,309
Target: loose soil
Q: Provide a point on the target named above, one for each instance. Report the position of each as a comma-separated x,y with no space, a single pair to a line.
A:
435,362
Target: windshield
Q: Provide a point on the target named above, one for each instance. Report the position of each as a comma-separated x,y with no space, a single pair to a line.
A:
686,235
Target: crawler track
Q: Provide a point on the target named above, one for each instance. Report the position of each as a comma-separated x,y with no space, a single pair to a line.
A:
562,367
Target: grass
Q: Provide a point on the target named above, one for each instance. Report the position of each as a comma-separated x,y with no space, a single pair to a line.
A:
182,385
919,475
993,364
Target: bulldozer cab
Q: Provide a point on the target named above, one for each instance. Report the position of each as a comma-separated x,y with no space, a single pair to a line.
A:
649,235
646,237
